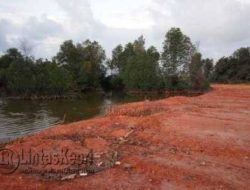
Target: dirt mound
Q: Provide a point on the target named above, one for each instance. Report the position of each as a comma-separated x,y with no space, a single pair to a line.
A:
176,143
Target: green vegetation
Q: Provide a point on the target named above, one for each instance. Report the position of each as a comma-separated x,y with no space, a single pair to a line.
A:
176,58
83,67
233,69
177,68
197,76
135,67
83,62
24,76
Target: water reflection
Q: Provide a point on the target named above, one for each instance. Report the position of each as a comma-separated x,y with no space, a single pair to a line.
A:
21,117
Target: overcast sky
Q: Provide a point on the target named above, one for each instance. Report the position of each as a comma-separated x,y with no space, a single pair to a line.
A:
220,26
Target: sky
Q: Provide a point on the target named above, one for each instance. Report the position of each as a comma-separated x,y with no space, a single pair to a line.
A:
217,27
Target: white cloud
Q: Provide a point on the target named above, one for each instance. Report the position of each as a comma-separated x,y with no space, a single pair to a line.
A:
128,14
219,26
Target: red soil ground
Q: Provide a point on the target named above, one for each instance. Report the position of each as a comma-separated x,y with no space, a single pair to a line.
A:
177,143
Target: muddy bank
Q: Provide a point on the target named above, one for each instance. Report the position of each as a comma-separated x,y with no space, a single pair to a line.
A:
103,93
34,97
176,143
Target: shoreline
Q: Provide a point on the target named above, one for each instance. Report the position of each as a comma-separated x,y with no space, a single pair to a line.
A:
147,97
132,93
183,139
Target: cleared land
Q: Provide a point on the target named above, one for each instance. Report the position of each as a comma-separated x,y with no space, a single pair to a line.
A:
177,143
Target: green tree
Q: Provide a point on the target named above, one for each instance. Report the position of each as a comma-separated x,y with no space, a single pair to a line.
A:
92,68
235,68
51,79
177,52
84,61
42,76
70,57
115,63
141,68
126,57
21,77
242,57
197,77
60,79
208,68
11,55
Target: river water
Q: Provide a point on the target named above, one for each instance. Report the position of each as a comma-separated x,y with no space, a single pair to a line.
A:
21,117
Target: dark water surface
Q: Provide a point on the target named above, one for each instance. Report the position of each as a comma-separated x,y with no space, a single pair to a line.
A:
22,117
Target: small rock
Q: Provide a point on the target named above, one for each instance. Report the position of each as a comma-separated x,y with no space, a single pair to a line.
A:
121,139
246,157
68,177
99,164
117,163
129,133
203,163
83,174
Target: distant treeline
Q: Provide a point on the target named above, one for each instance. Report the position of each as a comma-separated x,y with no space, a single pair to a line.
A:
83,67
233,69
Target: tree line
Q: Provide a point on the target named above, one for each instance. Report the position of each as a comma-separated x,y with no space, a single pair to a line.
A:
233,69
79,67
